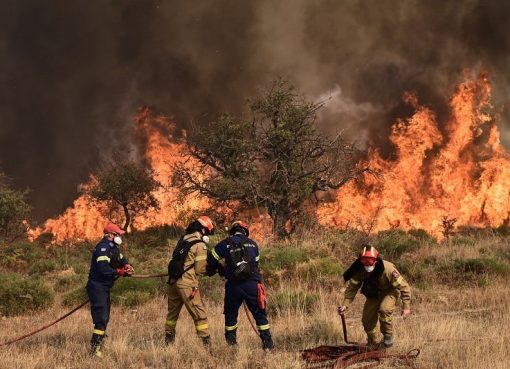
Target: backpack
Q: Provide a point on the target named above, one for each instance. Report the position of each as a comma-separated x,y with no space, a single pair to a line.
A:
176,265
240,259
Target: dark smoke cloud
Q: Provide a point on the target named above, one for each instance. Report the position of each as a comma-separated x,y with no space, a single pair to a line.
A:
73,73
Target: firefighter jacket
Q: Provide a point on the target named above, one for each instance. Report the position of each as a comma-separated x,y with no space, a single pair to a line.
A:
106,258
195,262
387,280
222,250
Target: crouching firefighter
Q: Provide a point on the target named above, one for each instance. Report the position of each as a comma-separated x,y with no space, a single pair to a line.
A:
187,263
244,282
106,266
382,284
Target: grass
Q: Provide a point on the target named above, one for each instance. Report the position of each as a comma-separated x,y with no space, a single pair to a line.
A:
460,304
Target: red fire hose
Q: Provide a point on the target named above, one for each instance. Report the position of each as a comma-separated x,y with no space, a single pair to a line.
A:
72,312
46,326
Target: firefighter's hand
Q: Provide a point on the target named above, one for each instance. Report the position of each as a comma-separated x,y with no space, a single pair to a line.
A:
129,270
121,272
406,313
341,309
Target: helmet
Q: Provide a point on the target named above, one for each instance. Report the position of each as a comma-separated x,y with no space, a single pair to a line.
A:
240,225
207,223
113,228
368,254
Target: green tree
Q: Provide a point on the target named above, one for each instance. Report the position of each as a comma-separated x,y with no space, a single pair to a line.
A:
14,211
128,186
276,160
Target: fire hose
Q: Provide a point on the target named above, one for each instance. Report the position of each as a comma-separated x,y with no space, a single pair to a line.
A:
139,276
337,357
47,325
71,312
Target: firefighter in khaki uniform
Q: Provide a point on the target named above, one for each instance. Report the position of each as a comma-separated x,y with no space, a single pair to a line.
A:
382,284
188,262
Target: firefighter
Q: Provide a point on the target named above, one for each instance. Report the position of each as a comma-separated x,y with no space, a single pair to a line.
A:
244,282
106,266
382,284
187,263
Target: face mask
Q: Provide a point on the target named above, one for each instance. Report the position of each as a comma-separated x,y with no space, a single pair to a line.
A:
369,268
205,239
117,240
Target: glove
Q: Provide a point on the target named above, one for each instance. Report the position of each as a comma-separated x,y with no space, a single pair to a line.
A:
341,309
128,270
121,272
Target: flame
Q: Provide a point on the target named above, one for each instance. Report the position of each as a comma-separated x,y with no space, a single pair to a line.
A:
460,172
456,170
85,220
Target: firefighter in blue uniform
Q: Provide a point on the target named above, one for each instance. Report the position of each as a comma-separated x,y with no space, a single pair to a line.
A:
244,282
106,266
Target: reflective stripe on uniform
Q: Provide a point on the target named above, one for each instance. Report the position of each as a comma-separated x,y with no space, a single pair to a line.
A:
103,258
215,254
264,327
121,256
353,281
231,327
398,281
385,320
201,257
257,258
202,327
99,332
171,323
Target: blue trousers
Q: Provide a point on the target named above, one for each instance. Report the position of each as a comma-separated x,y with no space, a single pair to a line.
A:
99,296
235,294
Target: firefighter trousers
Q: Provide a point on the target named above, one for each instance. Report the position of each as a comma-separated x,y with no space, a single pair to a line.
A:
381,309
235,294
99,296
183,295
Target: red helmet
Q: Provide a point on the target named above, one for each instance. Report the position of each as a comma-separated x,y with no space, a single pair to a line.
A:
113,228
207,223
240,224
368,254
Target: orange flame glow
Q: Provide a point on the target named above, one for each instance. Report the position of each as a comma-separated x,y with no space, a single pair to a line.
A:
457,170
461,172
85,220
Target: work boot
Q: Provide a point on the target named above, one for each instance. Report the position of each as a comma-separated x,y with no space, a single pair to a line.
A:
267,340
169,338
388,340
96,345
231,338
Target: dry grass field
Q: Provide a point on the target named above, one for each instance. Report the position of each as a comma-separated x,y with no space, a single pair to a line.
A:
455,324
461,328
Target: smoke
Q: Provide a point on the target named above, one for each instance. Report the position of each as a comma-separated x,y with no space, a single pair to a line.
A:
73,73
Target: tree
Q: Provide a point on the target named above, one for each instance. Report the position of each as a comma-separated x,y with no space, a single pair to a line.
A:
14,211
128,186
276,160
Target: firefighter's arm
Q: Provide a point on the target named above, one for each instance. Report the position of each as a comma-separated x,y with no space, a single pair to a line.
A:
351,289
257,253
103,263
200,251
398,282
